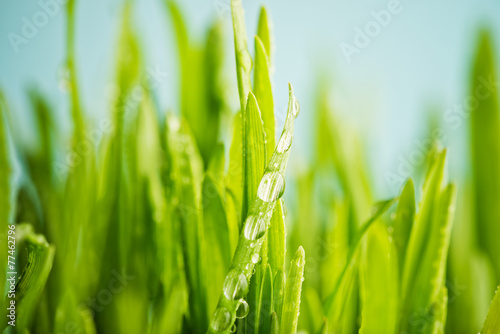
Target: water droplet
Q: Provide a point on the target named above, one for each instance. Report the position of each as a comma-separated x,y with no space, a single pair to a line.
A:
255,228
242,309
285,142
222,319
256,258
295,107
233,328
271,187
235,285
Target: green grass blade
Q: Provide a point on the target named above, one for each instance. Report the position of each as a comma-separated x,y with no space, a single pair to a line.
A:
291,299
270,190
235,170
382,207
265,33
6,190
264,94
279,284
275,323
266,302
243,58
254,152
276,240
33,278
492,323
188,173
403,222
379,278
217,250
485,148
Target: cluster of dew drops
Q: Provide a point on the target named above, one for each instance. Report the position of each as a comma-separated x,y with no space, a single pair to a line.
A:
271,188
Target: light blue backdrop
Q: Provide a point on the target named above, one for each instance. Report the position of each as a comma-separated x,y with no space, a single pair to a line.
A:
419,61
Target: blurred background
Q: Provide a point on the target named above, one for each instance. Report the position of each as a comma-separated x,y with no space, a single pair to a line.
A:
415,66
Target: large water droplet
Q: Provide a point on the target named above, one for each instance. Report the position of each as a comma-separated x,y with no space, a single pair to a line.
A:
285,142
221,320
255,258
295,107
242,309
255,228
271,187
235,285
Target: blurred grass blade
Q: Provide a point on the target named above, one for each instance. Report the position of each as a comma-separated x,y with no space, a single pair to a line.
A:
381,209
243,59
279,285
379,283
265,33
403,222
492,323
275,324
485,148
291,299
188,173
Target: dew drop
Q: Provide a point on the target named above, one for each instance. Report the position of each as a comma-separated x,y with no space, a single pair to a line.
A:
64,79
233,328
256,258
235,285
242,309
285,142
255,228
271,187
295,107
221,320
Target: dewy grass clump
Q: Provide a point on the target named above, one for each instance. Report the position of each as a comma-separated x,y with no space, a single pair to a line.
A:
153,232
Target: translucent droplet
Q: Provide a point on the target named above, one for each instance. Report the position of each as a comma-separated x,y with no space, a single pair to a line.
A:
242,309
256,258
221,320
271,187
233,328
235,285
255,228
295,107
285,142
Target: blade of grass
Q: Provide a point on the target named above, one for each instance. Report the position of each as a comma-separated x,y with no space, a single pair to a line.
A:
379,283
492,323
291,299
270,190
243,59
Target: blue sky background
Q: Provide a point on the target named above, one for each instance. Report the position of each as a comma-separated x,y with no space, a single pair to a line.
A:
419,62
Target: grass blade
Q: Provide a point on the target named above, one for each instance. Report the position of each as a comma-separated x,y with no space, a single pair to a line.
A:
291,299
243,59
270,190
492,323
379,283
